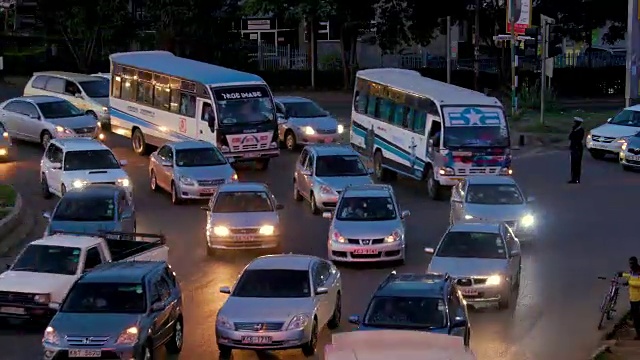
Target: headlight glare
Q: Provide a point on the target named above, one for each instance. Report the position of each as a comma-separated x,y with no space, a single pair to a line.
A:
51,336
336,237
494,280
340,129
308,130
267,230
79,184
129,336
527,220
124,182
221,231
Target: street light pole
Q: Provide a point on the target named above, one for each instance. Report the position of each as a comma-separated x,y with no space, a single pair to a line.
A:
476,51
449,49
514,85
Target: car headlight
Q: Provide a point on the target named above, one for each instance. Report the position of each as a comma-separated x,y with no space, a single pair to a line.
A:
187,181
233,178
4,151
622,140
624,146
123,182
79,184
327,190
267,230
589,137
221,231
506,171
63,130
308,130
129,336
395,236
51,336
494,280
527,220
340,129
447,171
5,135
336,237
298,322
42,298
223,322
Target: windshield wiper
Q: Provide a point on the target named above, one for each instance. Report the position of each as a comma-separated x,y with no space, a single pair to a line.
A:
24,268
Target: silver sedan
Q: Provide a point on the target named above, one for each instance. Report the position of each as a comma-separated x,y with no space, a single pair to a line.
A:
301,122
629,155
280,302
189,170
493,199
242,216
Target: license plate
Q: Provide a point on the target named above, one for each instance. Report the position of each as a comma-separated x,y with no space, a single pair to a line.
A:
469,292
365,251
599,146
208,191
245,237
328,140
256,340
12,310
80,353
633,157
249,155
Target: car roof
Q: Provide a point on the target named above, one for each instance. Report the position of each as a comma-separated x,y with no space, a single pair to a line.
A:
38,99
121,272
66,240
331,149
282,262
413,284
190,144
633,108
243,186
488,227
372,190
67,75
490,180
291,99
79,144
94,190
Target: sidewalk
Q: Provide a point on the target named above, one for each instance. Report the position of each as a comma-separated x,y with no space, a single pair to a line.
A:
621,346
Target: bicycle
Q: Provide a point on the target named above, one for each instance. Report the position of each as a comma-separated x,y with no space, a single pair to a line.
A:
608,305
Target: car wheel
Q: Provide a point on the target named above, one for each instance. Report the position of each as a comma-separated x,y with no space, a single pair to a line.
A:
314,205
225,351
146,352
45,139
290,140
174,345
296,194
46,193
138,143
63,190
309,348
380,172
433,186
334,322
505,300
153,182
597,154
175,197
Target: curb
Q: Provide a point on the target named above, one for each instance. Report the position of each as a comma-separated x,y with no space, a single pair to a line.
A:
608,337
11,221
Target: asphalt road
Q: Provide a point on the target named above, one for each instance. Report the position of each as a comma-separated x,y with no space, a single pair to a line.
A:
587,230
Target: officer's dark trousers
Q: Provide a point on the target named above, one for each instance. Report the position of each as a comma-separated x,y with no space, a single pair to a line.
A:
576,164
635,315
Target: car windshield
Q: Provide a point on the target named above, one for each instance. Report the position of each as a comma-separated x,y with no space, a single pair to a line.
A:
48,259
244,105
406,313
59,109
242,201
479,245
340,165
366,209
199,157
89,208
304,109
627,118
114,298
494,195
98,88
273,284
90,160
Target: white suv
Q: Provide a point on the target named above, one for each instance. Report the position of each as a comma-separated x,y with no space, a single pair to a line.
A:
75,163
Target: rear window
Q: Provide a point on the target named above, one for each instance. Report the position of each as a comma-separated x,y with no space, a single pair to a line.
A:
480,245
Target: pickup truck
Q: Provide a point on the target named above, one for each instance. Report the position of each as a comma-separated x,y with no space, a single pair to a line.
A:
40,277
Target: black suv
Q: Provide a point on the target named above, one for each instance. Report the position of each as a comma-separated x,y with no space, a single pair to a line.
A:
423,302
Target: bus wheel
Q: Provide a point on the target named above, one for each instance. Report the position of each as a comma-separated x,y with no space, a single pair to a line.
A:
262,164
138,143
381,173
435,190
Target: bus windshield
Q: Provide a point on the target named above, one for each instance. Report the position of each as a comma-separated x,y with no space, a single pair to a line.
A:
475,127
244,105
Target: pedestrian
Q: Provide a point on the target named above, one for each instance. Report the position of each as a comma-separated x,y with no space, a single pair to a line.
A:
633,281
576,148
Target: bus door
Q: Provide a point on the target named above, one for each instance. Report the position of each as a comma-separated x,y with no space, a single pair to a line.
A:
206,123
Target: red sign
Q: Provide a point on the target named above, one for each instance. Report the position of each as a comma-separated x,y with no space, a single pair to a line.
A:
519,29
183,125
236,140
264,137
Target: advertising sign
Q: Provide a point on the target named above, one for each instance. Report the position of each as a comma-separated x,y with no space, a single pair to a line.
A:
522,14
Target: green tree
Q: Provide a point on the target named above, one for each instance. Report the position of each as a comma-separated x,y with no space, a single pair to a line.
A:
84,25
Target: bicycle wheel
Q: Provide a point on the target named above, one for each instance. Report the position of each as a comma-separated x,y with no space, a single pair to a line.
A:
612,305
604,309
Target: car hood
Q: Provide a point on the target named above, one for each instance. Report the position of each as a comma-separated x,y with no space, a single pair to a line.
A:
497,212
242,220
37,283
88,227
467,267
206,172
634,142
81,324
611,130
366,229
94,175
319,123
341,182
239,309
75,122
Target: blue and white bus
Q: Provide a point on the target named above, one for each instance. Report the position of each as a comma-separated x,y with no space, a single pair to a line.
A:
427,129
158,97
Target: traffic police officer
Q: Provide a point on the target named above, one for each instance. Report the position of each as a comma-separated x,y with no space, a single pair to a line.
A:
576,148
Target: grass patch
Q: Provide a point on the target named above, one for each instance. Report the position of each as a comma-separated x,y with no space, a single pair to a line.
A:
559,122
7,197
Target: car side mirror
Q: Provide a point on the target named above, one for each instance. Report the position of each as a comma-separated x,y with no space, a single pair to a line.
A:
405,214
166,163
327,215
157,306
531,199
354,319
123,162
46,215
279,207
56,166
306,172
370,171
459,322
609,120
78,95
322,291
429,250
225,290
8,266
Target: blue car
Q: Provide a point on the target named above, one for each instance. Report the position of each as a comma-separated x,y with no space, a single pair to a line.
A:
93,209
421,302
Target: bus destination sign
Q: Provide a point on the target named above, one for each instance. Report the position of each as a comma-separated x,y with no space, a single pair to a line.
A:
239,93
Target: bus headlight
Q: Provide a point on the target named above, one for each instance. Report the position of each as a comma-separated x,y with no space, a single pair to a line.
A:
506,171
447,171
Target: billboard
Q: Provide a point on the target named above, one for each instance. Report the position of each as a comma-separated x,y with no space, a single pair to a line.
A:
522,14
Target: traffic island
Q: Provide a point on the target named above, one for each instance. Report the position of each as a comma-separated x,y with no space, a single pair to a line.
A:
619,343
15,223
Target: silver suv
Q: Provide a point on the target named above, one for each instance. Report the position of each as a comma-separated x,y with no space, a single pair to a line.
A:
323,171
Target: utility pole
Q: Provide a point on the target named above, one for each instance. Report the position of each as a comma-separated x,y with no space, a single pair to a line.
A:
545,21
633,54
449,49
514,59
476,51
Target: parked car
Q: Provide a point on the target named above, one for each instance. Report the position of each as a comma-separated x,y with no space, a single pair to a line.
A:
189,170
243,216
629,155
42,118
5,143
92,209
323,171
118,311
89,93
367,226
607,139
484,259
280,302
424,302
301,121
76,163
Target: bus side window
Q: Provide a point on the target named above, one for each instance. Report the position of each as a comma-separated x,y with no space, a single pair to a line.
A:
361,102
407,122
372,105
116,88
400,115
128,91
419,121
187,105
385,110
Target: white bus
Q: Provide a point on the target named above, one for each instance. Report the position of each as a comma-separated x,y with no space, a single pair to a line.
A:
427,129
158,97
